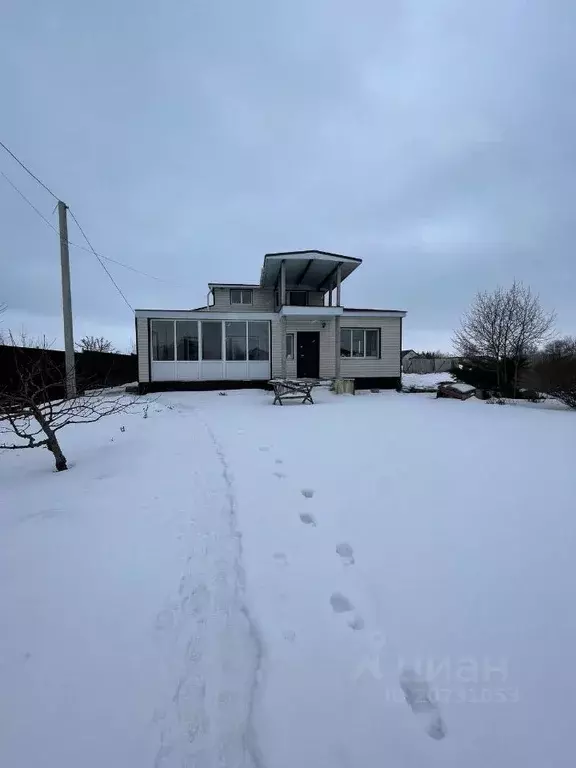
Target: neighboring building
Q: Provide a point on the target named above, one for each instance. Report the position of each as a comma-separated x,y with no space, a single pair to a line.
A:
289,325
406,356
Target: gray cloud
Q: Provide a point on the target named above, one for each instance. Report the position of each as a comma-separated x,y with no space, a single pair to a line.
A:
435,140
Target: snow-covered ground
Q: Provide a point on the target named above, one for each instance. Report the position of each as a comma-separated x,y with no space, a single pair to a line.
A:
424,379
227,583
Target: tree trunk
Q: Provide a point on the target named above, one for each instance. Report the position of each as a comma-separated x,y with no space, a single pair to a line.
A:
52,441
59,458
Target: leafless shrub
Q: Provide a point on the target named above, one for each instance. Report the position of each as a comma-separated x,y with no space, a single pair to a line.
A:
29,418
23,339
95,344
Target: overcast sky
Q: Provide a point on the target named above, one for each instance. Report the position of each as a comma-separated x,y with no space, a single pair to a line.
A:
434,139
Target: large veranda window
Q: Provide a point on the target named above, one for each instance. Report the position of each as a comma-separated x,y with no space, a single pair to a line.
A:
162,332
359,342
236,341
211,340
180,340
258,340
187,340
247,340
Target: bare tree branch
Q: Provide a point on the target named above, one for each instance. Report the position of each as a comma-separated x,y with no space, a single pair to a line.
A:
34,417
95,344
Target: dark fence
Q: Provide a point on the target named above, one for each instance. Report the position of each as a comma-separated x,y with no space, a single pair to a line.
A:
93,369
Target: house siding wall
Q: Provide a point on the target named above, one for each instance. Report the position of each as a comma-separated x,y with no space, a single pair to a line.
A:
293,325
387,366
390,340
277,346
142,349
262,301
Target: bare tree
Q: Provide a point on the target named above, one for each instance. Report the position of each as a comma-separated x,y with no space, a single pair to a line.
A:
563,347
502,326
30,418
24,339
530,326
95,344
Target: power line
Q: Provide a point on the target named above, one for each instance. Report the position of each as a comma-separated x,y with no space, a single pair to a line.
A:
114,283
28,171
76,245
23,196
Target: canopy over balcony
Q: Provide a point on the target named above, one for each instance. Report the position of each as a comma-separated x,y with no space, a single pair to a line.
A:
307,270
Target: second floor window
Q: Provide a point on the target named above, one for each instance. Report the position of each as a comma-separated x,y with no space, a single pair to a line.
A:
298,298
240,296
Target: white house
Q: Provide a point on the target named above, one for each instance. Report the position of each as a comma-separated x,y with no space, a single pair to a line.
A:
289,325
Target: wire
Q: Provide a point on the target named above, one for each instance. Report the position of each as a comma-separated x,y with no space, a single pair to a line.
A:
75,245
23,196
119,263
28,171
114,283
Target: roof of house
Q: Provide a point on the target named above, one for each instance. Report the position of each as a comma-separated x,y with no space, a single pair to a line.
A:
234,285
406,351
313,250
370,309
312,270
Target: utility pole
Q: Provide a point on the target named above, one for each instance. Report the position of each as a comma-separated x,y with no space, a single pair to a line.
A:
67,302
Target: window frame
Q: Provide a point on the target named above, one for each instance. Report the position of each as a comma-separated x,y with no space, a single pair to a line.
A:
198,350
242,291
293,337
152,347
267,359
222,358
201,339
364,356
237,337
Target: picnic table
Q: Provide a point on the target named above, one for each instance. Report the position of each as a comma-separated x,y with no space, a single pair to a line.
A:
293,389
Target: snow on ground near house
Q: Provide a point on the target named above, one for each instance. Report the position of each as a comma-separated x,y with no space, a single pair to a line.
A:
424,379
394,547
124,641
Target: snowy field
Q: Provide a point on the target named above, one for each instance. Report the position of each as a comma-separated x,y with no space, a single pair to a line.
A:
227,583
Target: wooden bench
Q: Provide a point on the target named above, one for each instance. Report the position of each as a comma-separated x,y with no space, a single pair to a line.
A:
290,389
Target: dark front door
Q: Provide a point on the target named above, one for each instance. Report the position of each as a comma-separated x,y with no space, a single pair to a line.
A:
308,355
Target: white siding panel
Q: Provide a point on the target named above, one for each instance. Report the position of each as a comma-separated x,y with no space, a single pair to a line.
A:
142,349
277,348
389,362
262,301
187,370
236,369
259,369
212,370
163,370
